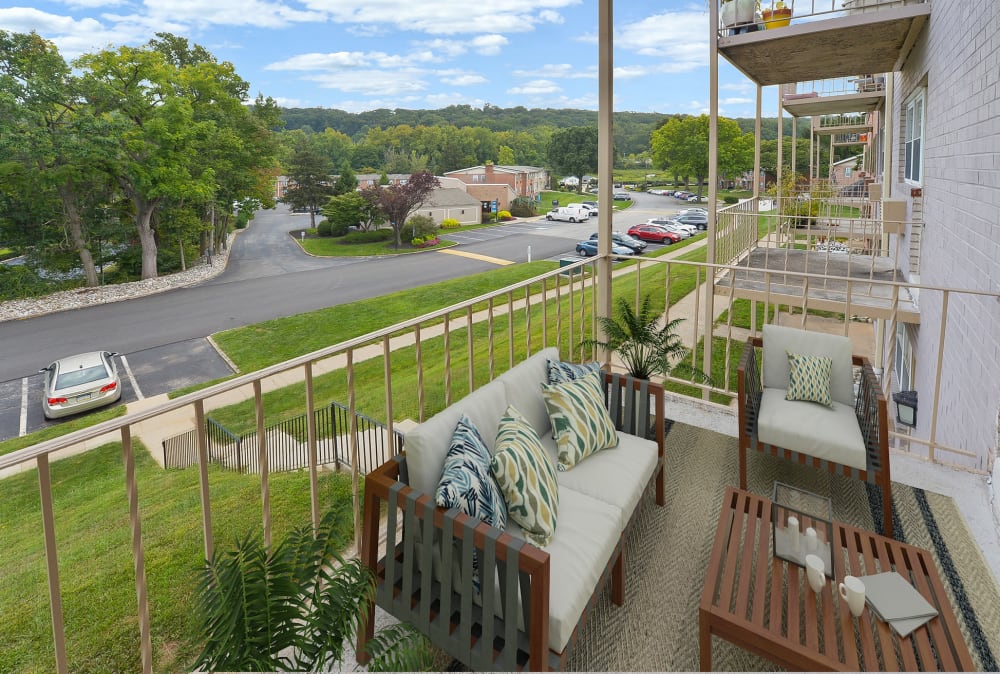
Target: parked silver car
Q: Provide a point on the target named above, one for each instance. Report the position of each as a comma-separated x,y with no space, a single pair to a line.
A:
80,383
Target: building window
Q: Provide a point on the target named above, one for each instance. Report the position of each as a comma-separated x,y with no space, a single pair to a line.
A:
914,136
903,357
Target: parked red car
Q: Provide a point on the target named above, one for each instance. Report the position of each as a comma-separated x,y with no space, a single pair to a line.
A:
654,233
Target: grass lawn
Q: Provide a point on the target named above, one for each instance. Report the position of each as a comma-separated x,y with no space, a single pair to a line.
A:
63,428
96,568
327,246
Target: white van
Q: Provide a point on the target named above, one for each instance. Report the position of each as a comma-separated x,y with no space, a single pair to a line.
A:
567,213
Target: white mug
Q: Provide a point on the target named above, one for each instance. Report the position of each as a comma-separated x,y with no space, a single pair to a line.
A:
853,592
815,572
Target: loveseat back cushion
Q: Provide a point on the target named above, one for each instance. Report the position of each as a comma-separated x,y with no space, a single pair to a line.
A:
523,384
584,543
427,444
780,340
829,433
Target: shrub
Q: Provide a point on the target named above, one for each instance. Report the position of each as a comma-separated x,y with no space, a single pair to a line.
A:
324,228
504,215
422,225
417,241
731,200
242,220
338,228
450,223
373,236
522,207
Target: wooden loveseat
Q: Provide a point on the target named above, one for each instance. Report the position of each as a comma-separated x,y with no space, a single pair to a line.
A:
525,606
848,437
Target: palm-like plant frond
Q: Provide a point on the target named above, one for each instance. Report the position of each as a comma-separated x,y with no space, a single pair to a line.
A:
645,347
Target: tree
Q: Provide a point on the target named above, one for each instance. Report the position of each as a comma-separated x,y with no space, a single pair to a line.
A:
682,145
309,173
573,152
352,209
398,201
505,156
346,182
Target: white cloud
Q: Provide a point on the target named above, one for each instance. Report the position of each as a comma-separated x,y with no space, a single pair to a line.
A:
371,82
449,48
72,36
536,87
445,17
462,79
489,45
550,16
260,13
349,60
680,38
559,71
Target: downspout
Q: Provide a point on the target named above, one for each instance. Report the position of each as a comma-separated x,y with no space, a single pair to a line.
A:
605,157
713,187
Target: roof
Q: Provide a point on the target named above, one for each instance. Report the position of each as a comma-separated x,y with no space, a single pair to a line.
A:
450,196
500,169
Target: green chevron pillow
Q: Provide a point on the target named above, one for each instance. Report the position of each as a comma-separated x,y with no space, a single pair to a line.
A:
581,424
526,478
809,378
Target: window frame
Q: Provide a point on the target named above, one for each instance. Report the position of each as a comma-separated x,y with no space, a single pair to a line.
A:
915,112
903,359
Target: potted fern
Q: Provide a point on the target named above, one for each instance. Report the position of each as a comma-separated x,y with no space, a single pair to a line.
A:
292,607
646,348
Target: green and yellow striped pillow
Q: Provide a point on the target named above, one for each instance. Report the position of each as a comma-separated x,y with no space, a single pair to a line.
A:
581,424
526,478
809,378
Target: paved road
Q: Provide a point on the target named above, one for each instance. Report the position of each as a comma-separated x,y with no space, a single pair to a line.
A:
163,336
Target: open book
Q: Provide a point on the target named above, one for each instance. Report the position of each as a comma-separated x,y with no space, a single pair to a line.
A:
894,600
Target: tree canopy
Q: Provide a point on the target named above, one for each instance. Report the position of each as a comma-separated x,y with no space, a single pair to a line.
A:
573,152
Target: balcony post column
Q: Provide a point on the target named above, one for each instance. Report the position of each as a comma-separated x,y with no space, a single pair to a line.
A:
713,187
605,159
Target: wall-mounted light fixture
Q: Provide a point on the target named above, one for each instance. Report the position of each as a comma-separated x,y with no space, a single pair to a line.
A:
906,407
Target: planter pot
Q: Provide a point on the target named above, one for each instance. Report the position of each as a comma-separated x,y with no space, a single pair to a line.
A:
777,18
738,12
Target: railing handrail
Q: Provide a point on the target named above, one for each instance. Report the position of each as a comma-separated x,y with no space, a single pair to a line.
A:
55,444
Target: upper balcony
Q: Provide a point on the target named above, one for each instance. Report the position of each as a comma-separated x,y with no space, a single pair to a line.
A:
827,39
841,95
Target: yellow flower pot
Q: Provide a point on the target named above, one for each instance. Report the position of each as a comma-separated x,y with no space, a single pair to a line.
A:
777,18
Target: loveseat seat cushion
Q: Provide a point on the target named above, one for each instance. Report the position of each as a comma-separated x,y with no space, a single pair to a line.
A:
585,540
829,433
523,386
427,444
617,476
780,340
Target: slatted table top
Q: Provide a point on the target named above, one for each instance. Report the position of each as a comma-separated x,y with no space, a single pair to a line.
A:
765,605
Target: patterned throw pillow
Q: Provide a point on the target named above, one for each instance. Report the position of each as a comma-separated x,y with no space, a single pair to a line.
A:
809,378
467,482
526,478
559,371
580,421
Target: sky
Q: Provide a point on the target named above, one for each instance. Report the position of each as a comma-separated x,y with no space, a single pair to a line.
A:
358,55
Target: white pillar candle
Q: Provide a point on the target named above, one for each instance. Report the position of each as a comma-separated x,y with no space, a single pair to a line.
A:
812,541
793,533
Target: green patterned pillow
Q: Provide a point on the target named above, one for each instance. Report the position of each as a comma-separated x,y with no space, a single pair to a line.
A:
526,478
809,378
581,424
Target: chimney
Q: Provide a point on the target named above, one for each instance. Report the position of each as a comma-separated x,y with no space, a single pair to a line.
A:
489,172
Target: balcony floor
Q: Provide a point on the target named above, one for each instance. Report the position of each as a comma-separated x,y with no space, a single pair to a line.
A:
830,294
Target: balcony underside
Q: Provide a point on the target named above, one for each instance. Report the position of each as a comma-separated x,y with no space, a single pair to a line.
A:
815,106
828,294
844,46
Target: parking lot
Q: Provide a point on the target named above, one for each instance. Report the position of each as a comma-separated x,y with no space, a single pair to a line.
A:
143,374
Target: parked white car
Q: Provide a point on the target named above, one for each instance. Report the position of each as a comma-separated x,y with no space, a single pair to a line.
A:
685,231
80,383
568,214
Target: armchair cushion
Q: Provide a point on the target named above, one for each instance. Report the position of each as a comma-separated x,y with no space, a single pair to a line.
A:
828,433
526,477
779,339
581,424
809,379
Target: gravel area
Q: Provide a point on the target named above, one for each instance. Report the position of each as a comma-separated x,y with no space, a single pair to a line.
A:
84,297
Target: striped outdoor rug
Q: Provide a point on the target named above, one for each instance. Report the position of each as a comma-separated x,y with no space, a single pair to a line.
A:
668,549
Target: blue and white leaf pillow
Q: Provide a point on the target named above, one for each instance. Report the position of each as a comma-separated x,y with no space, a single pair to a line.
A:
467,483
560,371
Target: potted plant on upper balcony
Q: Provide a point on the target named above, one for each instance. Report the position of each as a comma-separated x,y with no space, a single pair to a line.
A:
738,13
777,16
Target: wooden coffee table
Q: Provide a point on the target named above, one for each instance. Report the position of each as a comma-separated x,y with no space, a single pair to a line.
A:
764,604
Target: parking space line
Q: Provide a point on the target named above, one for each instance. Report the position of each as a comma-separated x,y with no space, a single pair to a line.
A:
131,378
23,426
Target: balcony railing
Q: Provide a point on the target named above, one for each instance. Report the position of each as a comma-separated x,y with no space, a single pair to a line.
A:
413,369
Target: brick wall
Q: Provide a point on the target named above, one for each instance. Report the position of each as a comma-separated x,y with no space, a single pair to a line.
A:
958,58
